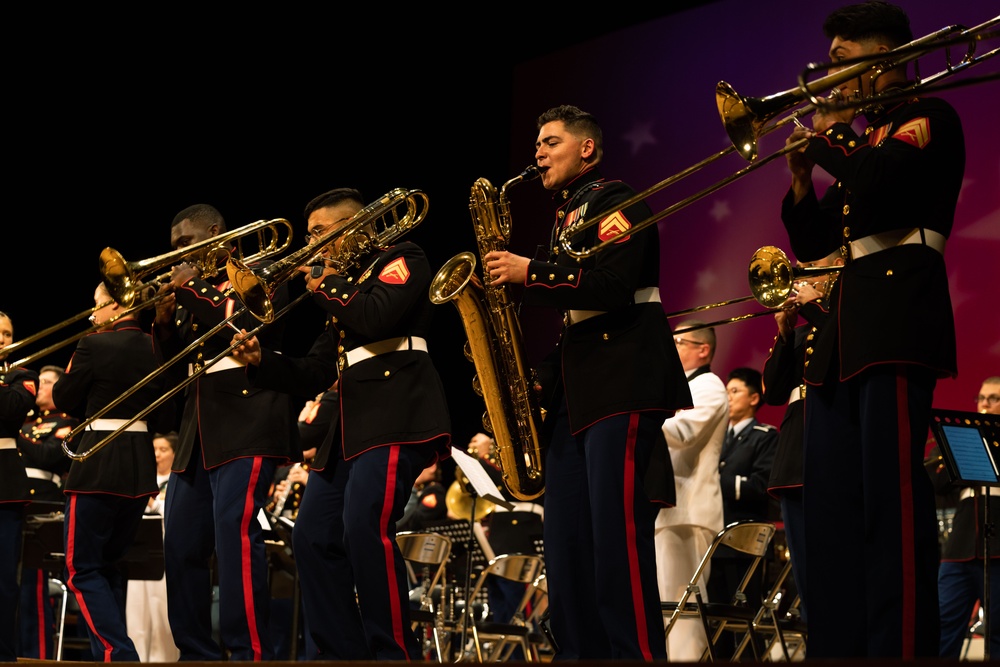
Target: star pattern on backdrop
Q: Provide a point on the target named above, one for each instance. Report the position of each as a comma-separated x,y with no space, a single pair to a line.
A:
720,210
640,135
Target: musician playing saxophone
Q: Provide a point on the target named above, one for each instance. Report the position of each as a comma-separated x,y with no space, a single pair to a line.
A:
391,423
610,382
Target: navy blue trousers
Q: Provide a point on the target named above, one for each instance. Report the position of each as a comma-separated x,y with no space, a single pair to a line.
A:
11,518
600,560
870,522
99,529
216,511
344,541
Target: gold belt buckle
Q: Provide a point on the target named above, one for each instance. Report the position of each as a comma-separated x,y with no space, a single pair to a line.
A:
342,362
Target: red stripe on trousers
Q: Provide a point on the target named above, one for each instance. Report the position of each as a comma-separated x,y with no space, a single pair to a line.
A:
245,560
638,604
71,569
387,547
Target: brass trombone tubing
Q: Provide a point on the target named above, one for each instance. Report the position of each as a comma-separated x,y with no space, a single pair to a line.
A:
255,287
745,121
912,51
80,456
565,237
75,337
121,277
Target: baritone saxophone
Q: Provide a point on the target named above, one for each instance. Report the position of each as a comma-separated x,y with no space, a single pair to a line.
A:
503,379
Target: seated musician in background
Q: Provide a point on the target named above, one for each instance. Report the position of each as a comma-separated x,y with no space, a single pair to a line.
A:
40,444
694,438
961,576
744,468
507,531
872,375
392,423
108,490
426,506
18,388
146,604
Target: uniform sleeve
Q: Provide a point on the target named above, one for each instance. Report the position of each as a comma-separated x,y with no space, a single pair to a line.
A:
780,374
710,407
17,394
70,391
375,311
609,279
890,159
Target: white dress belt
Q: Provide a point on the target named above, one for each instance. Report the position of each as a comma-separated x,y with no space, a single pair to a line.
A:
48,476
115,424
869,245
644,295
8,443
359,354
797,394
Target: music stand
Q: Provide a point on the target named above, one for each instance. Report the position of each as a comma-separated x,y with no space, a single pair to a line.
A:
43,546
970,447
482,486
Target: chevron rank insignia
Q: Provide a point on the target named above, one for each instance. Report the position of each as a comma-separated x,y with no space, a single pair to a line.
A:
395,272
614,225
917,132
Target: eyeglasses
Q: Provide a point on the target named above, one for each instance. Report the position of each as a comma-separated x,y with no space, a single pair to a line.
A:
315,233
992,399
678,340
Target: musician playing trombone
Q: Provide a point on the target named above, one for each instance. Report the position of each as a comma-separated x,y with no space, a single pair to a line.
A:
231,439
621,378
392,422
107,493
871,541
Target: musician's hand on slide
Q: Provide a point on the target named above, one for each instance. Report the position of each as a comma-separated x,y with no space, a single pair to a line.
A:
805,292
248,350
786,317
505,267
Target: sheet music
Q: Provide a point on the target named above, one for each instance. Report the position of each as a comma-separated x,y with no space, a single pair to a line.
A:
481,482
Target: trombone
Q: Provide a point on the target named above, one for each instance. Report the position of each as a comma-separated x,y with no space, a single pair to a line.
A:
377,225
746,119
227,322
124,279
772,278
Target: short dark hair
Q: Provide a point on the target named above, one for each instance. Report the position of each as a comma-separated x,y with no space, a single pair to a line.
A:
332,198
58,370
577,121
870,20
169,436
748,376
204,215
701,333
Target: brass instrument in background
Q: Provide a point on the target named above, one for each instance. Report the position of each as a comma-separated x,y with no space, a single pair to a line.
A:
127,281
458,497
503,379
746,119
772,278
377,225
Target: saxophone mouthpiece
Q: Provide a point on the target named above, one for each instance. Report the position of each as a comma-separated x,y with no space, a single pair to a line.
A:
530,173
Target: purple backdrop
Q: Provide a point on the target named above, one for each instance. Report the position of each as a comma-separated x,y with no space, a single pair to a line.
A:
653,89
